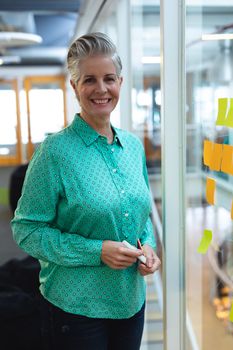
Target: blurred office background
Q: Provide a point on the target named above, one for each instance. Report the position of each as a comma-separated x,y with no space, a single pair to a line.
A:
36,100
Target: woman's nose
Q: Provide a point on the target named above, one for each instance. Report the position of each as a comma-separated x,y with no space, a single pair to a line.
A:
101,87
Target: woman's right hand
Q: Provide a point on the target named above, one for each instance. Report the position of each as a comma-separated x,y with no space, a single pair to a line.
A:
117,256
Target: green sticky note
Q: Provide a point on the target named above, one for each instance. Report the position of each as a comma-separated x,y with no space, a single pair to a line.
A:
205,242
222,111
229,120
4,196
231,313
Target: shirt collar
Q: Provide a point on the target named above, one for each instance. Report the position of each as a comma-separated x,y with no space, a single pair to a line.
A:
88,134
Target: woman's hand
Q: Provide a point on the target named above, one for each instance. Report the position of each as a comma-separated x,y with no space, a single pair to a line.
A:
152,261
117,256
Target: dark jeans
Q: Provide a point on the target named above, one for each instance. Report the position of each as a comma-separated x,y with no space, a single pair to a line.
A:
66,331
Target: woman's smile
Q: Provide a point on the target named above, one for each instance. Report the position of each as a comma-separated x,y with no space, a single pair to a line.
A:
102,102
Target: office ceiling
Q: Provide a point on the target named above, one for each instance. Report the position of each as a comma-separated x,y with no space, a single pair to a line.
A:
54,21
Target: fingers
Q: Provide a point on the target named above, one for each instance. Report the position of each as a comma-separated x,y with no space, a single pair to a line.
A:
150,261
128,252
121,263
127,257
152,264
124,260
117,256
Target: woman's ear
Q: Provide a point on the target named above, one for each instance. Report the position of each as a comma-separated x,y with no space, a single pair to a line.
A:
121,80
72,84
74,88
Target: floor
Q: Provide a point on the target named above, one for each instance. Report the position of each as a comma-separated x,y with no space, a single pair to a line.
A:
201,281
153,330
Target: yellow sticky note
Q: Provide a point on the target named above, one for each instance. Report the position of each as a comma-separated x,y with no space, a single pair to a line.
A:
222,111
207,152
229,120
231,313
232,210
210,190
216,158
227,159
205,242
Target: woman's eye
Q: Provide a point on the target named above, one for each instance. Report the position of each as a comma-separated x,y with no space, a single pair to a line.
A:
110,79
88,80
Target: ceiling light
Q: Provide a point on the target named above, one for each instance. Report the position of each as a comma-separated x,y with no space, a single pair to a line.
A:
11,39
151,59
226,36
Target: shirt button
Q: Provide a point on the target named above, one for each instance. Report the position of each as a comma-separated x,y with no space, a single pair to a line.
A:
126,215
112,149
122,191
114,170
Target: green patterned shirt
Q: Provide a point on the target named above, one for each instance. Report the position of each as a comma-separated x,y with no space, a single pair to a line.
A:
79,191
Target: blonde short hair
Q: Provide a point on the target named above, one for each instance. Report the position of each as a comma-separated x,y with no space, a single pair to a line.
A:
88,45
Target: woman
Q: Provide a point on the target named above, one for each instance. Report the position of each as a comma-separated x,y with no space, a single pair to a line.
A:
86,190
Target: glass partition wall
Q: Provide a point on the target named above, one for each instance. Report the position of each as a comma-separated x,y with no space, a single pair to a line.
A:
209,183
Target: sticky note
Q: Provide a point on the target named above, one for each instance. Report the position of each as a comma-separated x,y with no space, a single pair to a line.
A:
231,313
232,210
210,190
222,111
205,242
229,119
207,152
227,159
216,158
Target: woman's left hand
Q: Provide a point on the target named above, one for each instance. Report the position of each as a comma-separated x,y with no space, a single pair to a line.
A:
152,261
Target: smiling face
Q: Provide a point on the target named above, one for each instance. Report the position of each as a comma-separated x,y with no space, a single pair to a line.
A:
98,88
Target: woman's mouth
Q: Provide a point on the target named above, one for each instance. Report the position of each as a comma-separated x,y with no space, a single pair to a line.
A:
102,101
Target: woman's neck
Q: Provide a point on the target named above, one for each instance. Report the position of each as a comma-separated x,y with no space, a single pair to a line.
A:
103,126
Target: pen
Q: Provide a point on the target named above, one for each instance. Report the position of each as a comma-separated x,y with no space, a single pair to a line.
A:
139,245
141,248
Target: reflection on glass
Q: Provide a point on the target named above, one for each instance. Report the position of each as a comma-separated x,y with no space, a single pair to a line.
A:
209,277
